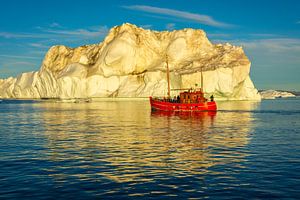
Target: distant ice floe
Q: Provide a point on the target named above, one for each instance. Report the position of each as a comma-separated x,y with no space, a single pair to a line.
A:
273,94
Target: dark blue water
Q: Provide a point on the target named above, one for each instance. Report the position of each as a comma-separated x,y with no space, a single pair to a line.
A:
122,150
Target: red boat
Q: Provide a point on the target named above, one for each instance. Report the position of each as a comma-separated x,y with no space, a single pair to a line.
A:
190,100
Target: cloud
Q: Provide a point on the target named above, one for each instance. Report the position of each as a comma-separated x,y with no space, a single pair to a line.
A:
170,26
16,63
5,70
274,44
267,35
298,22
31,46
146,26
58,32
202,19
81,33
218,35
19,63
275,61
38,45
54,24
9,35
18,56
267,42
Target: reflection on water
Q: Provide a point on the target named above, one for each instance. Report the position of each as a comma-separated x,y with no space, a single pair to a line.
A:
108,143
133,144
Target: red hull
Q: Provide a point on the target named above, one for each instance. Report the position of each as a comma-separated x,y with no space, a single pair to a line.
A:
157,104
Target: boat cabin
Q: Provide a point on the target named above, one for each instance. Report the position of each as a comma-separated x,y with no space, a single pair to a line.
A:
192,97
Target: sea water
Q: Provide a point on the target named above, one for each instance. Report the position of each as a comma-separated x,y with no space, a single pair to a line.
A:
123,150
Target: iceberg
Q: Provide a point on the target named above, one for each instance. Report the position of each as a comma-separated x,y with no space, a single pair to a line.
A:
131,62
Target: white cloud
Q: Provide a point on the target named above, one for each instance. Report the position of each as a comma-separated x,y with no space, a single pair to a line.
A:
170,26
20,63
55,24
33,45
202,19
273,45
218,35
81,33
146,26
267,42
58,32
268,35
9,35
18,56
4,70
38,45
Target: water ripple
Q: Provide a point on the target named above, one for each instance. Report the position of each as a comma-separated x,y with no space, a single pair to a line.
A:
123,150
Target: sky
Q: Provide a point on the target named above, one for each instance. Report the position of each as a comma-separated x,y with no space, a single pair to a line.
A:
268,31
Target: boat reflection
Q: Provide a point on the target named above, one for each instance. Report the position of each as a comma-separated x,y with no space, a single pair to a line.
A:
126,142
185,114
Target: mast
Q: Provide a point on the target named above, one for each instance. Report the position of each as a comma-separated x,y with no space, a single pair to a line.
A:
168,77
202,90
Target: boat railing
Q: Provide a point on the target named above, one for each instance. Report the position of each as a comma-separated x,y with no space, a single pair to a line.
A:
165,99
176,100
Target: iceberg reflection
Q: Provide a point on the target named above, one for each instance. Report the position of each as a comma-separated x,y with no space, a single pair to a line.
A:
126,142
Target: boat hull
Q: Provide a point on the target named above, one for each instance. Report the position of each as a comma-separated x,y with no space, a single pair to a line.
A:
171,106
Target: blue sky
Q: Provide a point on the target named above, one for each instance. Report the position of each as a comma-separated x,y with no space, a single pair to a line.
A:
269,31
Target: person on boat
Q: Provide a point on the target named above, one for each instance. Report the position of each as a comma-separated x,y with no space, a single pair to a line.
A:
178,99
174,99
198,99
212,98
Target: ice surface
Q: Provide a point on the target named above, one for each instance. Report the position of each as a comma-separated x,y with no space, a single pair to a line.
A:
131,62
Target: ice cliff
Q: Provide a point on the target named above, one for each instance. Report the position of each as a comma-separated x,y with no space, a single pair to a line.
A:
131,62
